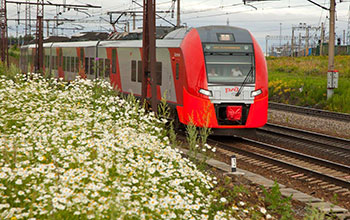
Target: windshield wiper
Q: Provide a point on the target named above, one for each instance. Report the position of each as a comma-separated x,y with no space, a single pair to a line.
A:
244,82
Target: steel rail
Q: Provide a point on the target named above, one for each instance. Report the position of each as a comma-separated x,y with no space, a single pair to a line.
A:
331,179
323,140
310,111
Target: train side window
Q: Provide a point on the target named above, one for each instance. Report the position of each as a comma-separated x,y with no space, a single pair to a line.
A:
107,68
82,58
86,65
177,70
159,73
64,64
139,71
114,60
100,67
68,64
133,70
76,64
72,64
60,58
91,66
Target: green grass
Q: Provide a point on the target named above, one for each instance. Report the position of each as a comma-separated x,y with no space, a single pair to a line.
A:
303,81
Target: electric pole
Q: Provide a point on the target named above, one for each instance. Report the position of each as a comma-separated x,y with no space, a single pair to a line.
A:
149,52
267,45
332,77
322,39
307,41
39,48
4,36
292,43
178,22
299,45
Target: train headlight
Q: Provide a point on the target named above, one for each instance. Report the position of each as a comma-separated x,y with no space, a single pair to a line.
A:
255,93
206,92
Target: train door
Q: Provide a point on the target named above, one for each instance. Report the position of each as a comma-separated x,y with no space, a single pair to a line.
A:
90,67
60,63
112,55
81,61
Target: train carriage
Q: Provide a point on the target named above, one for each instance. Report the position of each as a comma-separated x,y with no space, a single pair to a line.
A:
213,76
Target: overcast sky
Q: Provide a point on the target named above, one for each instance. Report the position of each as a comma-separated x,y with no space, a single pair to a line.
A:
260,18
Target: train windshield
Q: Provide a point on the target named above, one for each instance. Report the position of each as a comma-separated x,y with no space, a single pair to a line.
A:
229,63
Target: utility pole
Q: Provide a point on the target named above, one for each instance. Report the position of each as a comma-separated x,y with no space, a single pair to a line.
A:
332,77
27,28
344,38
267,47
149,52
299,45
292,43
280,34
307,41
178,21
4,37
322,39
39,58
134,21
348,28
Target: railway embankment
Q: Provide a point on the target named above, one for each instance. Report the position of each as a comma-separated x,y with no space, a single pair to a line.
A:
78,150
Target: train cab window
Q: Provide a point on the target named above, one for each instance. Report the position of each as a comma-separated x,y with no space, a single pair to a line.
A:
114,60
177,70
139,71
159,73
92,67
230,63
76,65
107,68
86,65
133,70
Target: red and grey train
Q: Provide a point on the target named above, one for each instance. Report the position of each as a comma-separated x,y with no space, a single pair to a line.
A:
213,76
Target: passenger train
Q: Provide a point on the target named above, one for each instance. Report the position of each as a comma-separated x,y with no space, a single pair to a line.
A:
214,76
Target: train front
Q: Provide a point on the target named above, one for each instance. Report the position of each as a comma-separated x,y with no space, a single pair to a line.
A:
232,93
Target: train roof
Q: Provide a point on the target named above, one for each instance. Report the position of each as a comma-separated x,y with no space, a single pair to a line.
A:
111,43
208,34
212,34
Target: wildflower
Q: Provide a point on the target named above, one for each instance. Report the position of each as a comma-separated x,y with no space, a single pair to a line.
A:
223,200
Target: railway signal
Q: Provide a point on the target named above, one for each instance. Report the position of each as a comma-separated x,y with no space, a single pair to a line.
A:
233,164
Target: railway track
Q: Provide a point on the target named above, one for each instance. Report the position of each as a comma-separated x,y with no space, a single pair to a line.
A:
311,143
314,172
310,111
